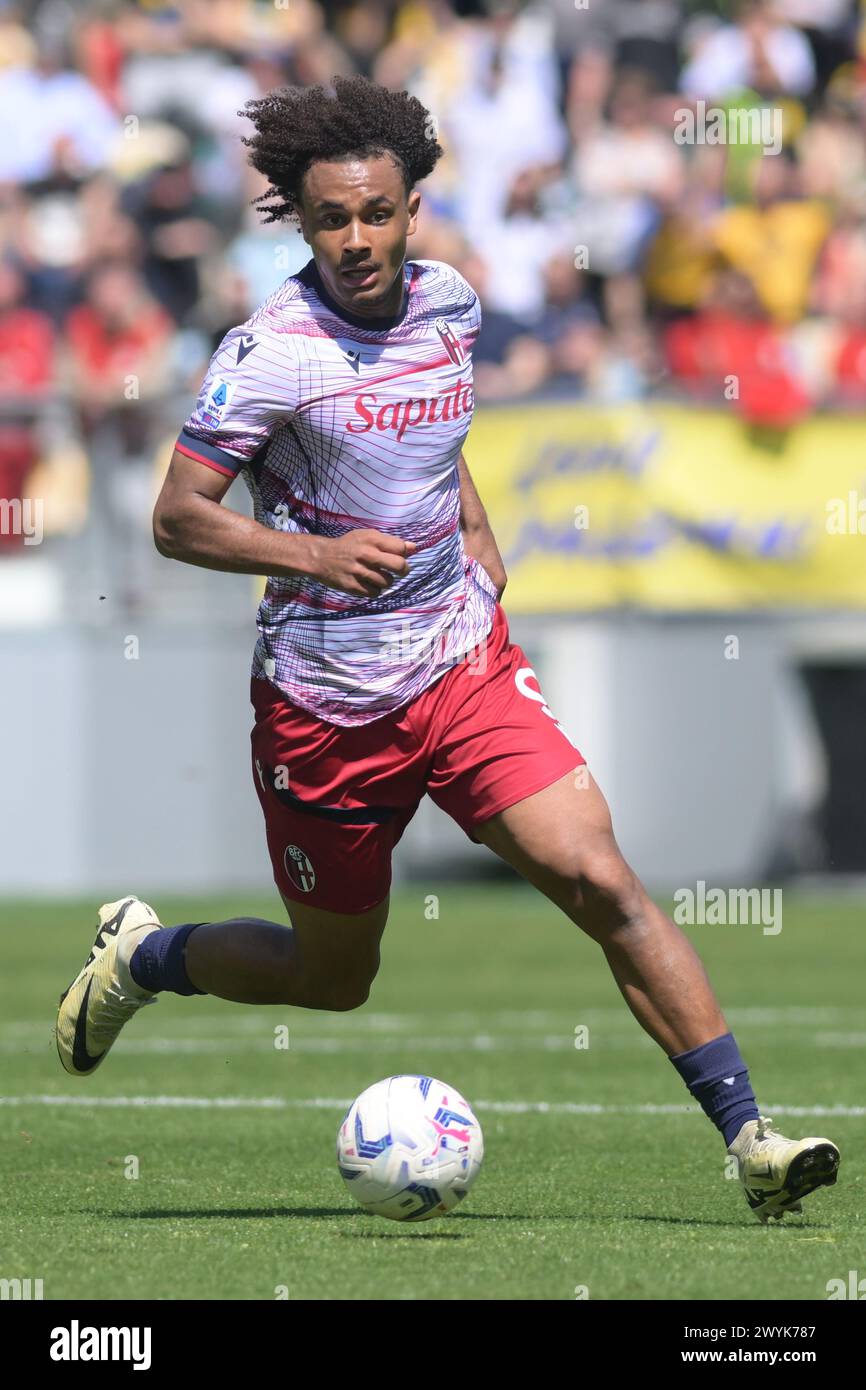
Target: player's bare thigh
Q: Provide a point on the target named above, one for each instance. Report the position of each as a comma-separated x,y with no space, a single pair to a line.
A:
561,840
337,954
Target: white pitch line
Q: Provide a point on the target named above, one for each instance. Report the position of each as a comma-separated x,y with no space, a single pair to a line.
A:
502,1107
359,1023
604,1041
840,1039
479,1042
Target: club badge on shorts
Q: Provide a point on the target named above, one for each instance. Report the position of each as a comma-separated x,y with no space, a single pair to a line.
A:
299,869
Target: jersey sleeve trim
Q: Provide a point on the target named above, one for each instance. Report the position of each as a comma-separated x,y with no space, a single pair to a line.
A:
209,454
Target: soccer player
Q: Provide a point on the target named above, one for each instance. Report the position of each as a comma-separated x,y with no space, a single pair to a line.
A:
383,668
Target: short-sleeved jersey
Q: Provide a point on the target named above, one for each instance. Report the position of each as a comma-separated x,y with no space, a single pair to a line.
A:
339,422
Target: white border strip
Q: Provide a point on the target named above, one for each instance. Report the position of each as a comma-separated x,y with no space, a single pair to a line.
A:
502,1107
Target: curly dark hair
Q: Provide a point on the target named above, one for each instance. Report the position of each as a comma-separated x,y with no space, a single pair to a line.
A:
296,126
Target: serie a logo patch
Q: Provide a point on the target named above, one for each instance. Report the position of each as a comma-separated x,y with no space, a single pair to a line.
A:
299,868
216,402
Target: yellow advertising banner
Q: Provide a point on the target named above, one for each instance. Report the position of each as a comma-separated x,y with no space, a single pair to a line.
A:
671,507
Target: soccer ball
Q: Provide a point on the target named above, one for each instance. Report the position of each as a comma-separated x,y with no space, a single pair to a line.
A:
409,1148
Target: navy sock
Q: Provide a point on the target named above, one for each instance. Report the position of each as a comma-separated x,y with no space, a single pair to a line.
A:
159,962
718,1078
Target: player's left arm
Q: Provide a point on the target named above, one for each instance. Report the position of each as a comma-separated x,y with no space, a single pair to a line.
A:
478,538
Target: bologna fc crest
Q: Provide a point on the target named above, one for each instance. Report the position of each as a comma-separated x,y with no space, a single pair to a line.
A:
299,869
450,342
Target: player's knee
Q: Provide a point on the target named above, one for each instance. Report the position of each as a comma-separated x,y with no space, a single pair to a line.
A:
341,996
339,991
608,893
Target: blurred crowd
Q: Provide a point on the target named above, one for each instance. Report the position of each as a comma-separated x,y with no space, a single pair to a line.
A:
617,252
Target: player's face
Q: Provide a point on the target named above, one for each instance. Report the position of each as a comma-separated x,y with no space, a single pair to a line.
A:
356,217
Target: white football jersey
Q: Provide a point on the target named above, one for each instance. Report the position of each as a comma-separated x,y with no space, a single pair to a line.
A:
339,422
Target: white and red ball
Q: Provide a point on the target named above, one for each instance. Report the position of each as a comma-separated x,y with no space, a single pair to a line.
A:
409,1148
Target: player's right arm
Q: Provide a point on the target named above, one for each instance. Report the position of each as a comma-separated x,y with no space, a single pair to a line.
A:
250,389
190,524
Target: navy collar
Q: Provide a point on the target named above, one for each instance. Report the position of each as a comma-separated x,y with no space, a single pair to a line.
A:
311,278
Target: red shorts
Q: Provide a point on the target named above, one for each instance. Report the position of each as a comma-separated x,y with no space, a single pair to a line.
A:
337,799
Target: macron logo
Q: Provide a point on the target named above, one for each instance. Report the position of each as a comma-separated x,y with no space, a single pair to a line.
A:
728,1080
245,347
77,1343
353,358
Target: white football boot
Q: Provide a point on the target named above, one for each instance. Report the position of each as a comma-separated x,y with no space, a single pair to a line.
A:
104,996
776,1172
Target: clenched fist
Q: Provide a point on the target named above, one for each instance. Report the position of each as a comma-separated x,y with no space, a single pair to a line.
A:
361,563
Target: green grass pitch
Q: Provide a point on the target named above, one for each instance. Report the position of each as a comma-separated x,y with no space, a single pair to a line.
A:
585,1184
